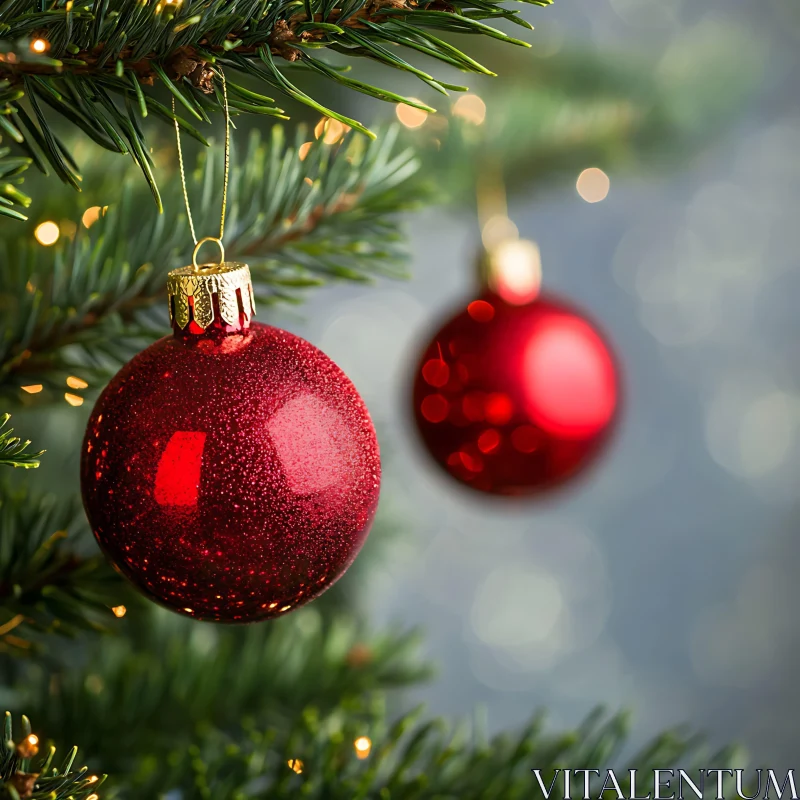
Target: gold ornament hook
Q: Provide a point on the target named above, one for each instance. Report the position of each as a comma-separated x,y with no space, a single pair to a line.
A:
226,169
197,247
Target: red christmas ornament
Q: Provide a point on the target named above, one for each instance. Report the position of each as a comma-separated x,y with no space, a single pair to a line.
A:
230,471
517,392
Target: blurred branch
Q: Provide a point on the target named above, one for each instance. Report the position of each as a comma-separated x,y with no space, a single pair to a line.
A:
140,695
314,755
45,585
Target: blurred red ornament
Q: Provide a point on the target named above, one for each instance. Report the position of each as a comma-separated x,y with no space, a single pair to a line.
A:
516,393
230,471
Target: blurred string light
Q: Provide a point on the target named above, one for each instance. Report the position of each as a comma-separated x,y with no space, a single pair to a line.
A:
330,130
302,151
91,215
471,108
47,233
409,116
76,383
295,765
593,185
73,399
33,388
119,611
363,746
39,45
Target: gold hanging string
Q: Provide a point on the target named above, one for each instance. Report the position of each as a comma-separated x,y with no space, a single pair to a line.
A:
226,173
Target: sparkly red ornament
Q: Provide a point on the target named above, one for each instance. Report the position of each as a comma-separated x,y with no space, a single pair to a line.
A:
231,470
518,391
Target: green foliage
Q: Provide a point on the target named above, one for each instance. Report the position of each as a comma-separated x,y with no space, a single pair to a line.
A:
46,585
153,689
409,758
102,58
23,778
13,449
86,305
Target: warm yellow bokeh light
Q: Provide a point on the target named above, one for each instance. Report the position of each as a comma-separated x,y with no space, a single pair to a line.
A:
34,388
295,764
33,740
471,108
363,746
39,45
119,611
76,383
593,185
47,233
90,216
302,151
73,399
409,116
330,130
516,270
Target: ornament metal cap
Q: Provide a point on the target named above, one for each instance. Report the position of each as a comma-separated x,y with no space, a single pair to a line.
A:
191,291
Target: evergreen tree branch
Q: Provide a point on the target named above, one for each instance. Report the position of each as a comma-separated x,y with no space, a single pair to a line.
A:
167,676
96,65
299,214
12,448
417,759
22,778
46,585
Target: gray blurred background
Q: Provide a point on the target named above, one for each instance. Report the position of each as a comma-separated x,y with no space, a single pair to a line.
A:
663,580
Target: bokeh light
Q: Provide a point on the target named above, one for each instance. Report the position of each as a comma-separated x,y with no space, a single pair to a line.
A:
409,116
47,233
593,185
471,108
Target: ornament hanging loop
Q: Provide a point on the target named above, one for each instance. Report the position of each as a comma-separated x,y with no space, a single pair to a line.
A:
197,247
225,174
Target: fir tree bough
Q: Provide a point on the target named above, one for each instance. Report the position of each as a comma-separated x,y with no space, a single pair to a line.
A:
95,63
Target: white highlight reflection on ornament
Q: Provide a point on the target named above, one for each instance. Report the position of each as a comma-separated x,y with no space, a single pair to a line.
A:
516,270
311,442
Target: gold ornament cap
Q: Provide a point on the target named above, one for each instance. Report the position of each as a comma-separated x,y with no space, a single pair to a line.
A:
191,292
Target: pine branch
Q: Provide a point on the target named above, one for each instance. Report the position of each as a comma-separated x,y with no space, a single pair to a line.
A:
19,781
314,755
84,306
96,65
139,695
12,448
46,585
